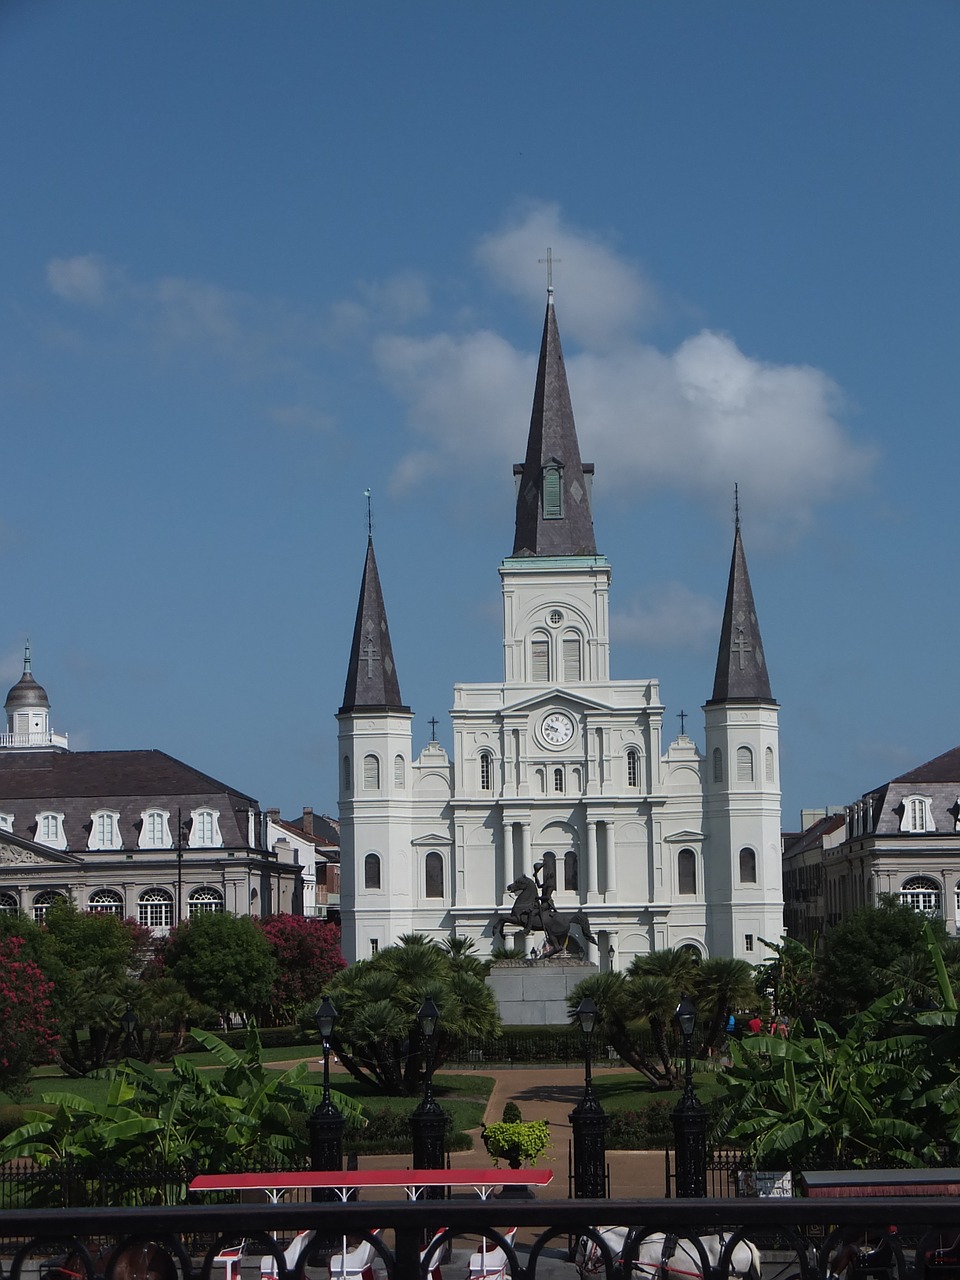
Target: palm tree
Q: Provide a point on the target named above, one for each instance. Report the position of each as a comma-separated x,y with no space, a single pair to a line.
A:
721,986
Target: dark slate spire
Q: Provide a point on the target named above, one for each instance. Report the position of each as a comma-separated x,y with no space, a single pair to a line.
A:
372,683
741,669
553,502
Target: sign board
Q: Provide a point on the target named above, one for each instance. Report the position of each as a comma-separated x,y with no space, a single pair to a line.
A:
751,1182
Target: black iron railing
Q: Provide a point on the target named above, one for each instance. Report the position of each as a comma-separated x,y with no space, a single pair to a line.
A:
799,1239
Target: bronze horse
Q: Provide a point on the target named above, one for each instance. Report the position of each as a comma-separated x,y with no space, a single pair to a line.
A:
532,915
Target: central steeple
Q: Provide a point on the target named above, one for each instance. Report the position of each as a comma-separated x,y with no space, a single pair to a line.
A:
553,497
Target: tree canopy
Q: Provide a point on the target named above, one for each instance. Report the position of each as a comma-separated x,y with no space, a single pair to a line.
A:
223,961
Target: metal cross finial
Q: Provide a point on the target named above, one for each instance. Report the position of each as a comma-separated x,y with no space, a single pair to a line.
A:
433,722
549,260
736,505
367,495
682,717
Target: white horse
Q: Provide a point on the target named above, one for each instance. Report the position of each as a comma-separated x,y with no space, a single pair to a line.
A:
657,1260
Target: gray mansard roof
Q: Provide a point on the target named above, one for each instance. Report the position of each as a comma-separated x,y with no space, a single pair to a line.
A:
77,783
937,780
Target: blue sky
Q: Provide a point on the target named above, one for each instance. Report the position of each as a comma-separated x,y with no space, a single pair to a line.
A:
258,257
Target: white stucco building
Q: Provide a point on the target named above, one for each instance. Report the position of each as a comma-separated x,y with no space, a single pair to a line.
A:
557,763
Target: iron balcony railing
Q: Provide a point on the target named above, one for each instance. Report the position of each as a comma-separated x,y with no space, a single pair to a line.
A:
797,1239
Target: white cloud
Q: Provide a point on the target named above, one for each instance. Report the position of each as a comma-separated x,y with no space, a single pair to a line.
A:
602,295
670,617
81,279
11,668
695,420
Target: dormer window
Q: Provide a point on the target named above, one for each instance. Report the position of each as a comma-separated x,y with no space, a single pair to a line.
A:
916,814
105,830
50,830
205,829
553,491
6,821
155,829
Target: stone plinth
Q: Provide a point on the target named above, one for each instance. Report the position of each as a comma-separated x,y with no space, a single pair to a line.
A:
533,993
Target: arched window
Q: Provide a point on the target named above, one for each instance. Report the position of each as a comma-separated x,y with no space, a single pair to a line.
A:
748,866
577,781
371,871
717,765
572,662
50,829
744,764
205,829
571,871
106,901
486,771
9,904
542,781
399,772
633,767
540,658
154,832
916,814
769,767
43,902
204,902
549,872
371,773
922,893
347,781
155,909
686,871
558,779
433,874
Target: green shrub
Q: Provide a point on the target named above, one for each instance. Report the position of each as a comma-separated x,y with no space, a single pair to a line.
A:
648,1128
511,1113
387,1133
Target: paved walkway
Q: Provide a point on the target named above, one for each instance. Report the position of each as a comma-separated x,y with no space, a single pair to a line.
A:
551,1093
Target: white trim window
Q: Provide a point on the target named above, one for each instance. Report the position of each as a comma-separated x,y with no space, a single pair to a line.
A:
155,909
205,829
371,772
6,821
43,902
633,767
744,764
916,814
923,894
105,829
205,902
155,829
9,904
106,902
50,830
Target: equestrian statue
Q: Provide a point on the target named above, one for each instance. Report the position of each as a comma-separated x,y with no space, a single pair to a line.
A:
533,911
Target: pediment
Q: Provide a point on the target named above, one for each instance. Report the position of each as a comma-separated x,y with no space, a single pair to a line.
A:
432,840
556,696
24,853
683,837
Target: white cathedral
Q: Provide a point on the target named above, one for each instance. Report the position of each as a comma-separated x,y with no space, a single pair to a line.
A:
559,765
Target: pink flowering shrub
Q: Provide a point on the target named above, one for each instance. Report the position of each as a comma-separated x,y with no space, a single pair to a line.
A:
28,1035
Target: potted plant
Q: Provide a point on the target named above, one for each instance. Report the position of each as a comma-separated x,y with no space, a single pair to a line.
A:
516,1141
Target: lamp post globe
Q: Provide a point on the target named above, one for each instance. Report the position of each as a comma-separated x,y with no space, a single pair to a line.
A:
588,1118
327,1122
689,1116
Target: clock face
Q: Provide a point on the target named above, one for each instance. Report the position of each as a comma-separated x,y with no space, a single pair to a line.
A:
557,728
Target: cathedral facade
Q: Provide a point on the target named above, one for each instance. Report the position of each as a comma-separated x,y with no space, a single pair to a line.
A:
559,773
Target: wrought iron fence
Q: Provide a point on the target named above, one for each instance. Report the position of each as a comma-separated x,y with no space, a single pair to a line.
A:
809,1237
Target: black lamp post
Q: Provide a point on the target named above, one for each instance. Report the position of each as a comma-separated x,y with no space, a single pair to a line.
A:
427,1122
128,1021
327,1122
689,1116
588,1120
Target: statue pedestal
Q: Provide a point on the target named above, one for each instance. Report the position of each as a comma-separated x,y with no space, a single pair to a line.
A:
533,993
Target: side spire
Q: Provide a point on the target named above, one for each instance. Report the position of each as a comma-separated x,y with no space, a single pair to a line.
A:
741,668
553,499
372,683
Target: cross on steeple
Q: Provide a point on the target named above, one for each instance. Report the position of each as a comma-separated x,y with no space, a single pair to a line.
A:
549,260
740,647
367,495
682,716
433,722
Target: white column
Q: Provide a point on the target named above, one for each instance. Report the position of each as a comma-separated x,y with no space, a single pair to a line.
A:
611,885
526,856
506,866
591,860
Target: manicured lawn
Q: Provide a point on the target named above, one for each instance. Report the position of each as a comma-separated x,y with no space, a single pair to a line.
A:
625,1092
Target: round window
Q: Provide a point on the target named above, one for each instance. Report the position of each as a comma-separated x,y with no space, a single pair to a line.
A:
555,617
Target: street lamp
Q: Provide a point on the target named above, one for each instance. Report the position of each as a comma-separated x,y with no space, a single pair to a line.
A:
588,1120
129,1024
428,1121
327,1122
689,1116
